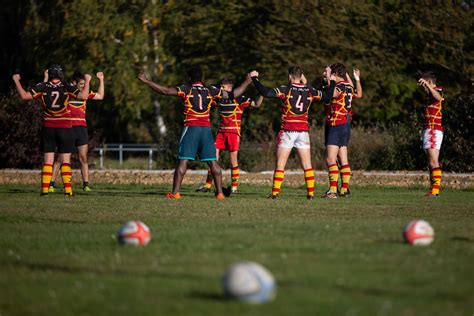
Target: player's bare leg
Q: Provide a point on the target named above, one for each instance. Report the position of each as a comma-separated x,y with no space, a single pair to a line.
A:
206,187
66,172
46,172
179,172
82,152
217,175
304,155
345,172
235,171
282,155
56,168
333,170
435,171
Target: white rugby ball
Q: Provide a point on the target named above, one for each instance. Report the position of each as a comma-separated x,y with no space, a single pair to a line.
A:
418,233
249,281
134,233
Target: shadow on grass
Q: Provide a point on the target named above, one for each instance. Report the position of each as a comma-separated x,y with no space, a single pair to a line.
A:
43,267
461,238
209,296
20,191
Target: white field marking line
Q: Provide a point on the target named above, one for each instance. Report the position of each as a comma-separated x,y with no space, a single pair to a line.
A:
268,172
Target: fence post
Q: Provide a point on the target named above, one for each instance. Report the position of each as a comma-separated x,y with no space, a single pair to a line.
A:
120,154
150,160
101,153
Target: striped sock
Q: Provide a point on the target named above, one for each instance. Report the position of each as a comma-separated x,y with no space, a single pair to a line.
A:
309,178
46,175
435,180
209,180
333,177
346,177
235,176
66,175
277,180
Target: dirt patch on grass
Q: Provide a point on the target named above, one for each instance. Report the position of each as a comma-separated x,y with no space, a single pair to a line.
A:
292,178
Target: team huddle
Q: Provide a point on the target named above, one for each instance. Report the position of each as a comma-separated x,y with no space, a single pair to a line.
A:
64,126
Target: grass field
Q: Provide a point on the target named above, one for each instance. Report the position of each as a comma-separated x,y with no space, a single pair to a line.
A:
58,256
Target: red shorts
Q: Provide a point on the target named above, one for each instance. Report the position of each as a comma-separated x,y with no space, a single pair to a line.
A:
227,141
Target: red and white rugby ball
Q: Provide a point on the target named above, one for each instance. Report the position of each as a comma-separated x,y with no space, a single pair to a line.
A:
134,233
418,233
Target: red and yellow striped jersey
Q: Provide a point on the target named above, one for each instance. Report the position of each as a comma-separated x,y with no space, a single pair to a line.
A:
339,111
54,98
296,101
198,100
230,113
432,115
78,110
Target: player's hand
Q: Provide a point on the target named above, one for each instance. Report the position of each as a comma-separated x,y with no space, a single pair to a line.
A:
332,77
16,77
87,77
142,77
422,82
253,73
356,73
100,75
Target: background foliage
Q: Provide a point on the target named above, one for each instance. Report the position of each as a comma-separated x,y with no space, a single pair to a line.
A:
390,41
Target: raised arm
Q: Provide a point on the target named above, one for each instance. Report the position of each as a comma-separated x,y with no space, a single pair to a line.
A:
258,102
45,76
431,88
241,89
84,94
358,87
24,95
157,87
264,91
101,91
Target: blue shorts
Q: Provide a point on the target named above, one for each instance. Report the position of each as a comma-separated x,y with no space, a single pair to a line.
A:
337,135
196,141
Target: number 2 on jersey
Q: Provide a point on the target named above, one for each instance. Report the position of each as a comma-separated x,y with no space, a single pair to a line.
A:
55,95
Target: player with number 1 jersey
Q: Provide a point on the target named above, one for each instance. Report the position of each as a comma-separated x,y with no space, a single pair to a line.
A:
196,138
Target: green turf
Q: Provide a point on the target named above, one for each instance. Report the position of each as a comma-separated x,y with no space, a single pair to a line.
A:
58,256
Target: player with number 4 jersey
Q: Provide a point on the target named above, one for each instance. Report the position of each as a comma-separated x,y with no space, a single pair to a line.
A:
57,133
296,98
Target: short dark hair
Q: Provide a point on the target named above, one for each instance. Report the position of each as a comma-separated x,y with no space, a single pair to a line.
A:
78,76
195,74
338,69
55,71
295,71
428,75
227,81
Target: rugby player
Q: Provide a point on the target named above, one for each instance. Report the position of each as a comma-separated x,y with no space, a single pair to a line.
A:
296,98
196,138
432,135
57,130
228,135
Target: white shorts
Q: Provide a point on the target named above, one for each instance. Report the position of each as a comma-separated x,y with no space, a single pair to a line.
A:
432,139
290,139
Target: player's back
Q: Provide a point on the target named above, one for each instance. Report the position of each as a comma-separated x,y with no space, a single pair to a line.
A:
55,97
197,100
297,99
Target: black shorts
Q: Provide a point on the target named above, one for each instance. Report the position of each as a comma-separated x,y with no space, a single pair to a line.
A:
81,137
60,138
338,135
